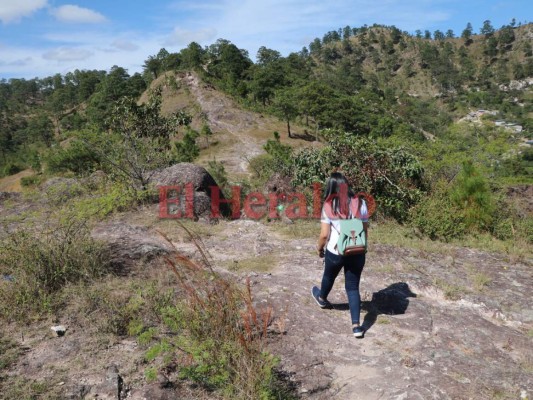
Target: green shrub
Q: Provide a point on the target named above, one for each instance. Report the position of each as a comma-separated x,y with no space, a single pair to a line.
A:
512,226
218,172
471,194
77,157
111,198
40,264
11,168
437,217
262,167
391,174
32,180
187,150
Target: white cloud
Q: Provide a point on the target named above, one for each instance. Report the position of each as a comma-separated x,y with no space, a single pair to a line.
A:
97,51
76,14
67,54
17,63
125,45
12,10
182,37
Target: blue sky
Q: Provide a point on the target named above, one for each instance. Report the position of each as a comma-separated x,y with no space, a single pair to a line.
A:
39,38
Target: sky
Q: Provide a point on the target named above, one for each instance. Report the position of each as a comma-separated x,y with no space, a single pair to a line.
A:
40,38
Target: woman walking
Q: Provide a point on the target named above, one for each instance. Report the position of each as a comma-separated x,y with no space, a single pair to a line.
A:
340,203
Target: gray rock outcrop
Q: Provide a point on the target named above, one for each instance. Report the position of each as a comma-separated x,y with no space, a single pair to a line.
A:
181,175
127,244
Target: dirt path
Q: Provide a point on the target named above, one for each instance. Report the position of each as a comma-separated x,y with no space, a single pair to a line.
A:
12,183
420,344
247,131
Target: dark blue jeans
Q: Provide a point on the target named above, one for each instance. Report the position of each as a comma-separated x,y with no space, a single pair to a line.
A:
353,266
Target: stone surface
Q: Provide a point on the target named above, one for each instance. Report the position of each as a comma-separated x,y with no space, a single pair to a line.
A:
127,244
420,343
61,188
181,175
59,330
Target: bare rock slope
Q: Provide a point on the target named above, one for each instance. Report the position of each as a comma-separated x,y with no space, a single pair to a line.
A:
422,341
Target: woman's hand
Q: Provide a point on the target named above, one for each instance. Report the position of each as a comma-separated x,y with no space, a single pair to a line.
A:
322,239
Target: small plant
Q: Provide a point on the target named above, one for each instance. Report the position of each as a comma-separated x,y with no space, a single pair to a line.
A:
187,150
9,352
450,291
218,172
32,180
437,217
472,195
218,336
481,281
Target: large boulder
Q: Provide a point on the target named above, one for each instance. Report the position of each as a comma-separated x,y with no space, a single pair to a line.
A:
58,189
128,244
201,181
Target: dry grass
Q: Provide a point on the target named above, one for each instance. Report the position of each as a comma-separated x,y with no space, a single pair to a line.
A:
392,233
257,264
214,334
451,291
300,229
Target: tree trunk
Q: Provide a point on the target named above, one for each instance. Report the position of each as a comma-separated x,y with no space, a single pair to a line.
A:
289,127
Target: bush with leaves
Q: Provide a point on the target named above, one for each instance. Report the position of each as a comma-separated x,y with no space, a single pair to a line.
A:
472,195
11,169
278,159
437,216
392,175
140,140
187,150
218,172
77,156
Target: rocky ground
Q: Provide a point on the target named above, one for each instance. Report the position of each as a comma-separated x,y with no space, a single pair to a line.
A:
451,323
433,332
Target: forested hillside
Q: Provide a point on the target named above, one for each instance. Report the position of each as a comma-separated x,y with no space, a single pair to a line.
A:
440,106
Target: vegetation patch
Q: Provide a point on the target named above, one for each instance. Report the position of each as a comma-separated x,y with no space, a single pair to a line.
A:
257,264
217,336
37,265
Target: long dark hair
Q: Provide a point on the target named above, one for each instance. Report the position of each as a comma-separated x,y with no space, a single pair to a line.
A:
335,186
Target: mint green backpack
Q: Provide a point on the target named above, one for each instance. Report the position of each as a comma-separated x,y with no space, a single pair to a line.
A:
352,238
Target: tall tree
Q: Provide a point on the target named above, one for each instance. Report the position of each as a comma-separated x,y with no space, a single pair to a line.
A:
285,106
487,29
467,34
267,56
142,140
438,35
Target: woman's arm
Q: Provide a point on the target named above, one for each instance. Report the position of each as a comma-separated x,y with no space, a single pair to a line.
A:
323,238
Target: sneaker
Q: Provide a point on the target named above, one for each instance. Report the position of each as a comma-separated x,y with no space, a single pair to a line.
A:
358,332
316,295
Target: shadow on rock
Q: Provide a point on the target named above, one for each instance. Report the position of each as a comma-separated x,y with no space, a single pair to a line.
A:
304,136
393,300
